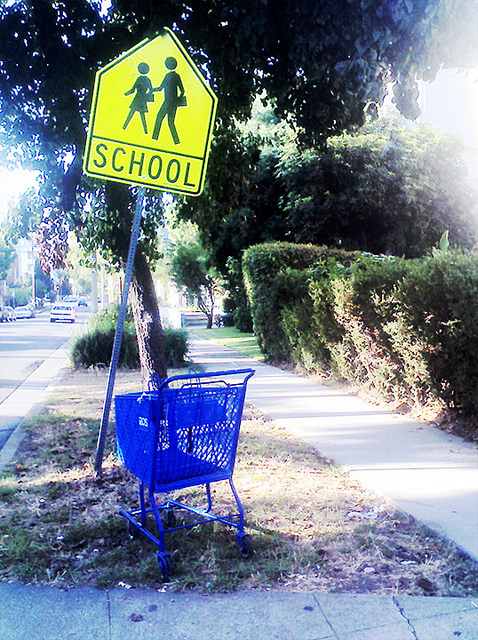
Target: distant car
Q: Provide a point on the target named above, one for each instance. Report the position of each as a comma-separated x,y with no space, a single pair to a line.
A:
7,314
63,311
82,302
24,312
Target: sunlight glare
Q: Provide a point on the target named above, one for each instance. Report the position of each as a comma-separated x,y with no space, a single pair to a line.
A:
12,184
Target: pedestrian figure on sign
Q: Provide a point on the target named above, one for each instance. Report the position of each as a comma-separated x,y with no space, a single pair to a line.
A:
144,94
174,97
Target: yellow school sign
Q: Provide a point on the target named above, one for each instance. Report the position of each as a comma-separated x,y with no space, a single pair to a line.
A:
152,118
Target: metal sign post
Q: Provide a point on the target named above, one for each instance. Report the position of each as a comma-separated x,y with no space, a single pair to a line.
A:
100,447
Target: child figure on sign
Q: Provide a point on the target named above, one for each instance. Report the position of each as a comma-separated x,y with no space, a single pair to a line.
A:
144,94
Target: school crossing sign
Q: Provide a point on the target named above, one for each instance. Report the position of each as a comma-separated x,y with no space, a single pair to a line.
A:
152,118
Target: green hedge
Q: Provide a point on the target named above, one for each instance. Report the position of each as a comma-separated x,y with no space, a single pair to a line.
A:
405,328
271,274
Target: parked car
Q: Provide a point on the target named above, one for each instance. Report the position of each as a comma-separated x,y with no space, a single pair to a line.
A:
63,311
24,312
82,302
7,314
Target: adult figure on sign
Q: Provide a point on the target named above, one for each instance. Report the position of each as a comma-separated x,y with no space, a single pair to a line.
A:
144,94
174,97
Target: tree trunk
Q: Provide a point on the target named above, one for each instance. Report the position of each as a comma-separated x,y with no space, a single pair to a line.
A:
147,321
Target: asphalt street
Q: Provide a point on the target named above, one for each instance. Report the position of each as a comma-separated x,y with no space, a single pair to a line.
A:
32,351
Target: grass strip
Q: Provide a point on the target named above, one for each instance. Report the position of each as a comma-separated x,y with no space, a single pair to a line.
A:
312,526
245,343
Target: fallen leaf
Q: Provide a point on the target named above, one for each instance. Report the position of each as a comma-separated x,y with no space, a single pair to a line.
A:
136,617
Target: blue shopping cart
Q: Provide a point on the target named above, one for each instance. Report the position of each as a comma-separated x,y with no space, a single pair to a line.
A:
181,434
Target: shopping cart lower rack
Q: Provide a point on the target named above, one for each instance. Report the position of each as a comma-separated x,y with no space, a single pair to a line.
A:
182,434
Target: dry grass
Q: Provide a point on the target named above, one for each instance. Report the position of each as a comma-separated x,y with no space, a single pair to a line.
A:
312,526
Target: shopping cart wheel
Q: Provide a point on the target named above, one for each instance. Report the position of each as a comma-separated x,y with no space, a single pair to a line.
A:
245,545
165,564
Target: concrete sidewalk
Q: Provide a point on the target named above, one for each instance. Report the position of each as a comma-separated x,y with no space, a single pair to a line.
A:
47,613
424,471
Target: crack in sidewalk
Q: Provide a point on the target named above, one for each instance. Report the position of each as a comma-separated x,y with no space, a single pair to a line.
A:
402,613
325,617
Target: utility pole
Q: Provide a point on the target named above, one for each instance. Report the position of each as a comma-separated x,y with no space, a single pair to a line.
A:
34,298
94,284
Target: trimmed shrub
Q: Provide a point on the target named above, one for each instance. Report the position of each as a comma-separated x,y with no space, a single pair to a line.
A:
265,277
425,312
407,329
379,348
94,348
440,294
237,302
175,347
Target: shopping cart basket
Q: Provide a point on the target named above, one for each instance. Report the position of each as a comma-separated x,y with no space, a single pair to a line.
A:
182,434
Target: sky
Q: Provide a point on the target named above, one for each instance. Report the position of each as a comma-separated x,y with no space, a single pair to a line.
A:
12,184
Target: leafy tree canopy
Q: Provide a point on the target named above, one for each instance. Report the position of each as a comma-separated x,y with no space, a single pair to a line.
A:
7,256
190,268
322,61
389,188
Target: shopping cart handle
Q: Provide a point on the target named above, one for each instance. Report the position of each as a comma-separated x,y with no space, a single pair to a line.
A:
247,373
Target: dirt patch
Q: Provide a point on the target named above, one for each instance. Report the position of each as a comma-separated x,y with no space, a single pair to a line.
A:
313,527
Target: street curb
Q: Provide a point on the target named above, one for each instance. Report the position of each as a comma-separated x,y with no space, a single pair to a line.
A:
10,447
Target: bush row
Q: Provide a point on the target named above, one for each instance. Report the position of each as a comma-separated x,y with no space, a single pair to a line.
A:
405,328
94,347
275,280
